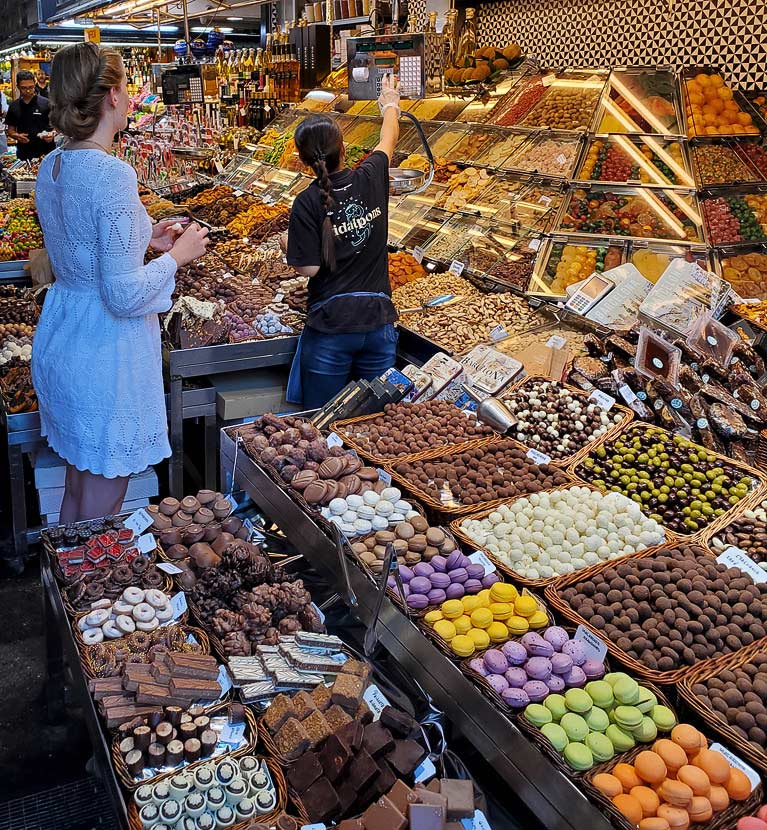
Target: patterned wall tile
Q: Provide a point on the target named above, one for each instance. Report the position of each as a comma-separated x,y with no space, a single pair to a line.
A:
728,34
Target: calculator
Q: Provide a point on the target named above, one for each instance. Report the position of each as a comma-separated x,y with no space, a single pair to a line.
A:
589,293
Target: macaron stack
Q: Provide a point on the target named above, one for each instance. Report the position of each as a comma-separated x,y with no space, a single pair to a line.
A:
443,578
678,783
541,663
591,725
358,515
491,617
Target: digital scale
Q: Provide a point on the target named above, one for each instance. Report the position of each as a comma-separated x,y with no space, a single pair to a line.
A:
182,85
415,59
588,293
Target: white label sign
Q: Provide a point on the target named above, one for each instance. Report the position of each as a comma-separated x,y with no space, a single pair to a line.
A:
534,244
232,734
477,822
480,558
384,476
498,333
602,399
334,440
279,297
627,393
418,254
736,558
596,649
456,268
556,341
225,682
169,568
425,771
751,774
318,826
139,521
376,700
178,603
319,611
538,457
146,543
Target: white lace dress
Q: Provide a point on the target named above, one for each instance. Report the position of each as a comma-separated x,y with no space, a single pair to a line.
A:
96,358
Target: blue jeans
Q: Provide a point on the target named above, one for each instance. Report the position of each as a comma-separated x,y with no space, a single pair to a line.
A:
330,361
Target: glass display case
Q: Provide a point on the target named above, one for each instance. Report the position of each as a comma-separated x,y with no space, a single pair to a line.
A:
745,268
519,202
735,218
404,215
713,108
644,213
429,223
565,262
477,110
450,238
500,152
446,138
516,267
652,258
247,174
551,154
464,186
641,100
363,132
276,183
473,144
723,163
487,243
646,160
569,103
515,105
411,143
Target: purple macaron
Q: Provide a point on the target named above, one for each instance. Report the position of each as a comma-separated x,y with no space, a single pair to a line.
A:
490,579
555,683
557,636
536,646
405,573
538,668
495,661
455,590
576,650
593,669
440,580
516,677
498,682
454,560
472,586
418,601
515,698
423,569
420,585
436,596
575,678
475,571
515,653
536,690
438,562
561,663
478,665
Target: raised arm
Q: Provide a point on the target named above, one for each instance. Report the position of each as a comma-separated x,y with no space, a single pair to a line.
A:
388,101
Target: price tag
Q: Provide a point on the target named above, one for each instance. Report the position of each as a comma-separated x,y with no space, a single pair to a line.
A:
178,604
146,543
556,341
139,521
319,611
498,333
425,771
279,297
232,734
456,268
749,772
224,681
334,440
534,244
384,476
238,193
169,568
418,254
596,649
561,159
376,700
548,80
317,826
219,167
477,822
545,200
627,393
481,558
538,457
339,657
602,399
736,558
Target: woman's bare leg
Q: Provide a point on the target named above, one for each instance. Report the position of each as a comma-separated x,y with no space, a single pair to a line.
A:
88,496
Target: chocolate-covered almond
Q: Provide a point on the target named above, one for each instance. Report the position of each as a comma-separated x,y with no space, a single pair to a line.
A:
177,552
169,506
204,516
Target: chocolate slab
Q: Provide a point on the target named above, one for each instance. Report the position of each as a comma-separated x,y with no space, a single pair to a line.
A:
320,800
383,815
306,770
334,756
347,691
405,757
400,723
460,797
426,817
377,739
352,733
402,796
362,771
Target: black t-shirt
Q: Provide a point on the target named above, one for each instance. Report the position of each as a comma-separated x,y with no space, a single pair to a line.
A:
361,224
32,119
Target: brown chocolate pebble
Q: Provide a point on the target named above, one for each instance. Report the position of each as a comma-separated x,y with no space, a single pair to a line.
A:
192,750
174,753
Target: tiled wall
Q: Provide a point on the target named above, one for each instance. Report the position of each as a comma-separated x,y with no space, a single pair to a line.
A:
728,34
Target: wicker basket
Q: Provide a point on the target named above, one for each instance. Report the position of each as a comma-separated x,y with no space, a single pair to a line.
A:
542,742
552,593
758,492
95,666
726,820
79,634
344,428
627,415
166,588
732,661
444,646
131,785
280,786
503,567
447,512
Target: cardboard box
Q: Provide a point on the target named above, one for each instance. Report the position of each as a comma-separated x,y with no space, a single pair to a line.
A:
249,394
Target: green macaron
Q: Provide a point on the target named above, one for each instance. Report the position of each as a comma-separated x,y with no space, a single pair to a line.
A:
628,717
614,676
537,714
578,756
601,692
578,700
646,732
621,740
575,727
597,719
556,735
601,747
647,700
663,718
555,703
626,691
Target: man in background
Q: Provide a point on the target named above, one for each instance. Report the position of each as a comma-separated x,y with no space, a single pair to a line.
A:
3,113
41,87
27,120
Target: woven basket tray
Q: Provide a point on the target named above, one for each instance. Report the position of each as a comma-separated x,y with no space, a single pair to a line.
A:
94,665
444,646
552,593
726,820
503,567
758,492
166,588
742,747
280,786
447,512
542,742
345,430
79,634
627,415
131,785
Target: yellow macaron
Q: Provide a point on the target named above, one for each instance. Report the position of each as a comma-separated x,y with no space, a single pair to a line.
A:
539,619
462,645
432,617
503,592
480,637
517,625
481,618
445,629
501,610
452,609
525,606
462,624
498,632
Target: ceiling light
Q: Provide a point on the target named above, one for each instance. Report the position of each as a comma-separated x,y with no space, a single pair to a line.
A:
203,29
234,18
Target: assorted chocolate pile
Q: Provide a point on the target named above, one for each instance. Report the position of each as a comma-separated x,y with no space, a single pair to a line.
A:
673,608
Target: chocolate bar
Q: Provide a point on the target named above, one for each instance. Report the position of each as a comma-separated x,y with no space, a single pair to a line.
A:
362,771
317,728
426,817
383,815
121,714
385,781
280,709
321,696
402,796
197,666
347,797
377,739
334,756
291,739
400,723
306,770
318,642
356,667
405,757
336,718
352,733
102,686
320,800
460,797
347,691
304,705
193,689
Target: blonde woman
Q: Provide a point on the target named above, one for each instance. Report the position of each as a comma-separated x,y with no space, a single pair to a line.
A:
96,360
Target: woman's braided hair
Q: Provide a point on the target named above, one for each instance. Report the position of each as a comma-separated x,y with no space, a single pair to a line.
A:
81,77
319,143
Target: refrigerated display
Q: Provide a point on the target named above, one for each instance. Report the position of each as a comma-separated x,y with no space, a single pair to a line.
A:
552,154
641,100
568,104
646,160
564,263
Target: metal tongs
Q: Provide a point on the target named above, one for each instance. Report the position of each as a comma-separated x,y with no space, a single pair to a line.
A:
351,597
435,302
390,567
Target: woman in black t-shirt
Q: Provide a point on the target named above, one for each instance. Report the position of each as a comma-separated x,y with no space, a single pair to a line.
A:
337,237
